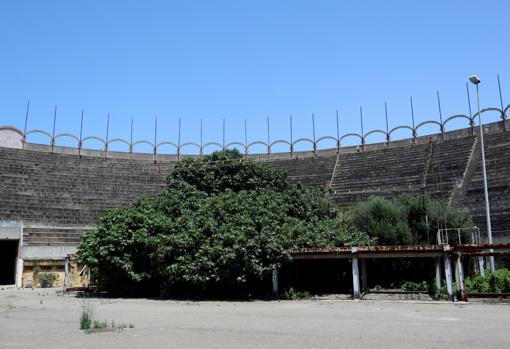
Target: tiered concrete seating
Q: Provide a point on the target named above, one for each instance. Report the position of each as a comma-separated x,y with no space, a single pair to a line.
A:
311,171
389,172
56,190
497,154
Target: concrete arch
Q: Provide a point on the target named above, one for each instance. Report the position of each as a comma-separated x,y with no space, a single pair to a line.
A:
235,143
376,131
208,144
280,141
38,132
166,143
458,116
326,138
350,135
429,122
12,128
401,127
187,144
69,135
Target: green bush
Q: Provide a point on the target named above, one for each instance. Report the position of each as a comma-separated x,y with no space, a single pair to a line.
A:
498,281
219,229
406,219
416,286
46,279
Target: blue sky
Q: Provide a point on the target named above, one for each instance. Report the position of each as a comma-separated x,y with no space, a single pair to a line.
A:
237,59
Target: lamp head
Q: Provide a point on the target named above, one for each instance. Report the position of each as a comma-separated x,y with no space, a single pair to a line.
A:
474,79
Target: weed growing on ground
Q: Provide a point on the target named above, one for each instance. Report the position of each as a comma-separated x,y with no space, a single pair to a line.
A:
292,294
89,324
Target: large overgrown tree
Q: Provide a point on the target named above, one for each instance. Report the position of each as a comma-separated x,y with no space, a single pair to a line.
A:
219,229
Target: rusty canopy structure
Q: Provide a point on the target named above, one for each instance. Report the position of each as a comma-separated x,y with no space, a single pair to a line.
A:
441,254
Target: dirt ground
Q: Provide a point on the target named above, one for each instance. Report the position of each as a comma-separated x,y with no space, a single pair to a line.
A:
46,319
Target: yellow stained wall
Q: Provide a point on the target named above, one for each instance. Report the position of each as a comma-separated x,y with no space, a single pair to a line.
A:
31,268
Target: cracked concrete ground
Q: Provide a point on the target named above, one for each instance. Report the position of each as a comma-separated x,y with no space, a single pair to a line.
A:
45,319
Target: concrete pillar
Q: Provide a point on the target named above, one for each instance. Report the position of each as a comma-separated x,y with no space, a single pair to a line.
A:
460,272
437,264
274,279
448,276
481,266
355,277
66,273
364,280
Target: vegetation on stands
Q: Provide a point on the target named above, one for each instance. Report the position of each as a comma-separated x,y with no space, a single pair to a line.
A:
219,229
406,220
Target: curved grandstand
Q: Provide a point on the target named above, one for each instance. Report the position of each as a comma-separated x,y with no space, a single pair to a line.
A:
50,195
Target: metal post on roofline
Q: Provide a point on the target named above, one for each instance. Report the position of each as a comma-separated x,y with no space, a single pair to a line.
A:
412,118
223,134
155,150
362,132
131,139
80,143
314,140
337,134
201,140
54,124
503,115
387,127
268,139
245,139
291,138
179,141
107,135
26,123
440,115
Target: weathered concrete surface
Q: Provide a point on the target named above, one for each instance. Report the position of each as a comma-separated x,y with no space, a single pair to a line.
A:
41,319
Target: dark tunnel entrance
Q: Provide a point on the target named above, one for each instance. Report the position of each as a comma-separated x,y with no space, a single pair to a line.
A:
8,255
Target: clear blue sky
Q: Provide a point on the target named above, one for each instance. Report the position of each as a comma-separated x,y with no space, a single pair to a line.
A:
240,59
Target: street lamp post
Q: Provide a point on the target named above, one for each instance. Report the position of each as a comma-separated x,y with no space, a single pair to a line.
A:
475,80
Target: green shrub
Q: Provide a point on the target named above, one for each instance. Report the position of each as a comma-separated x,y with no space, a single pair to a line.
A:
292,294
410,286
497,281
46,279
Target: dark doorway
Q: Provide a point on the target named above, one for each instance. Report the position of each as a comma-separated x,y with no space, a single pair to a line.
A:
8,255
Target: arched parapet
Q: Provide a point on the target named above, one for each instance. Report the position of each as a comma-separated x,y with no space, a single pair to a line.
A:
384,133
212,144
172,144
304,140
458,116
431,122
281,141
402,127
252,144
502,113
39,132
347,135
189,144
232,145
11,137
150,144
68,135
122,141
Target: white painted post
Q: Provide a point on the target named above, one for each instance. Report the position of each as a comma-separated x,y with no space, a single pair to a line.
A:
355,273
460,272
481,266
437,264
66,273
274,279
448,276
